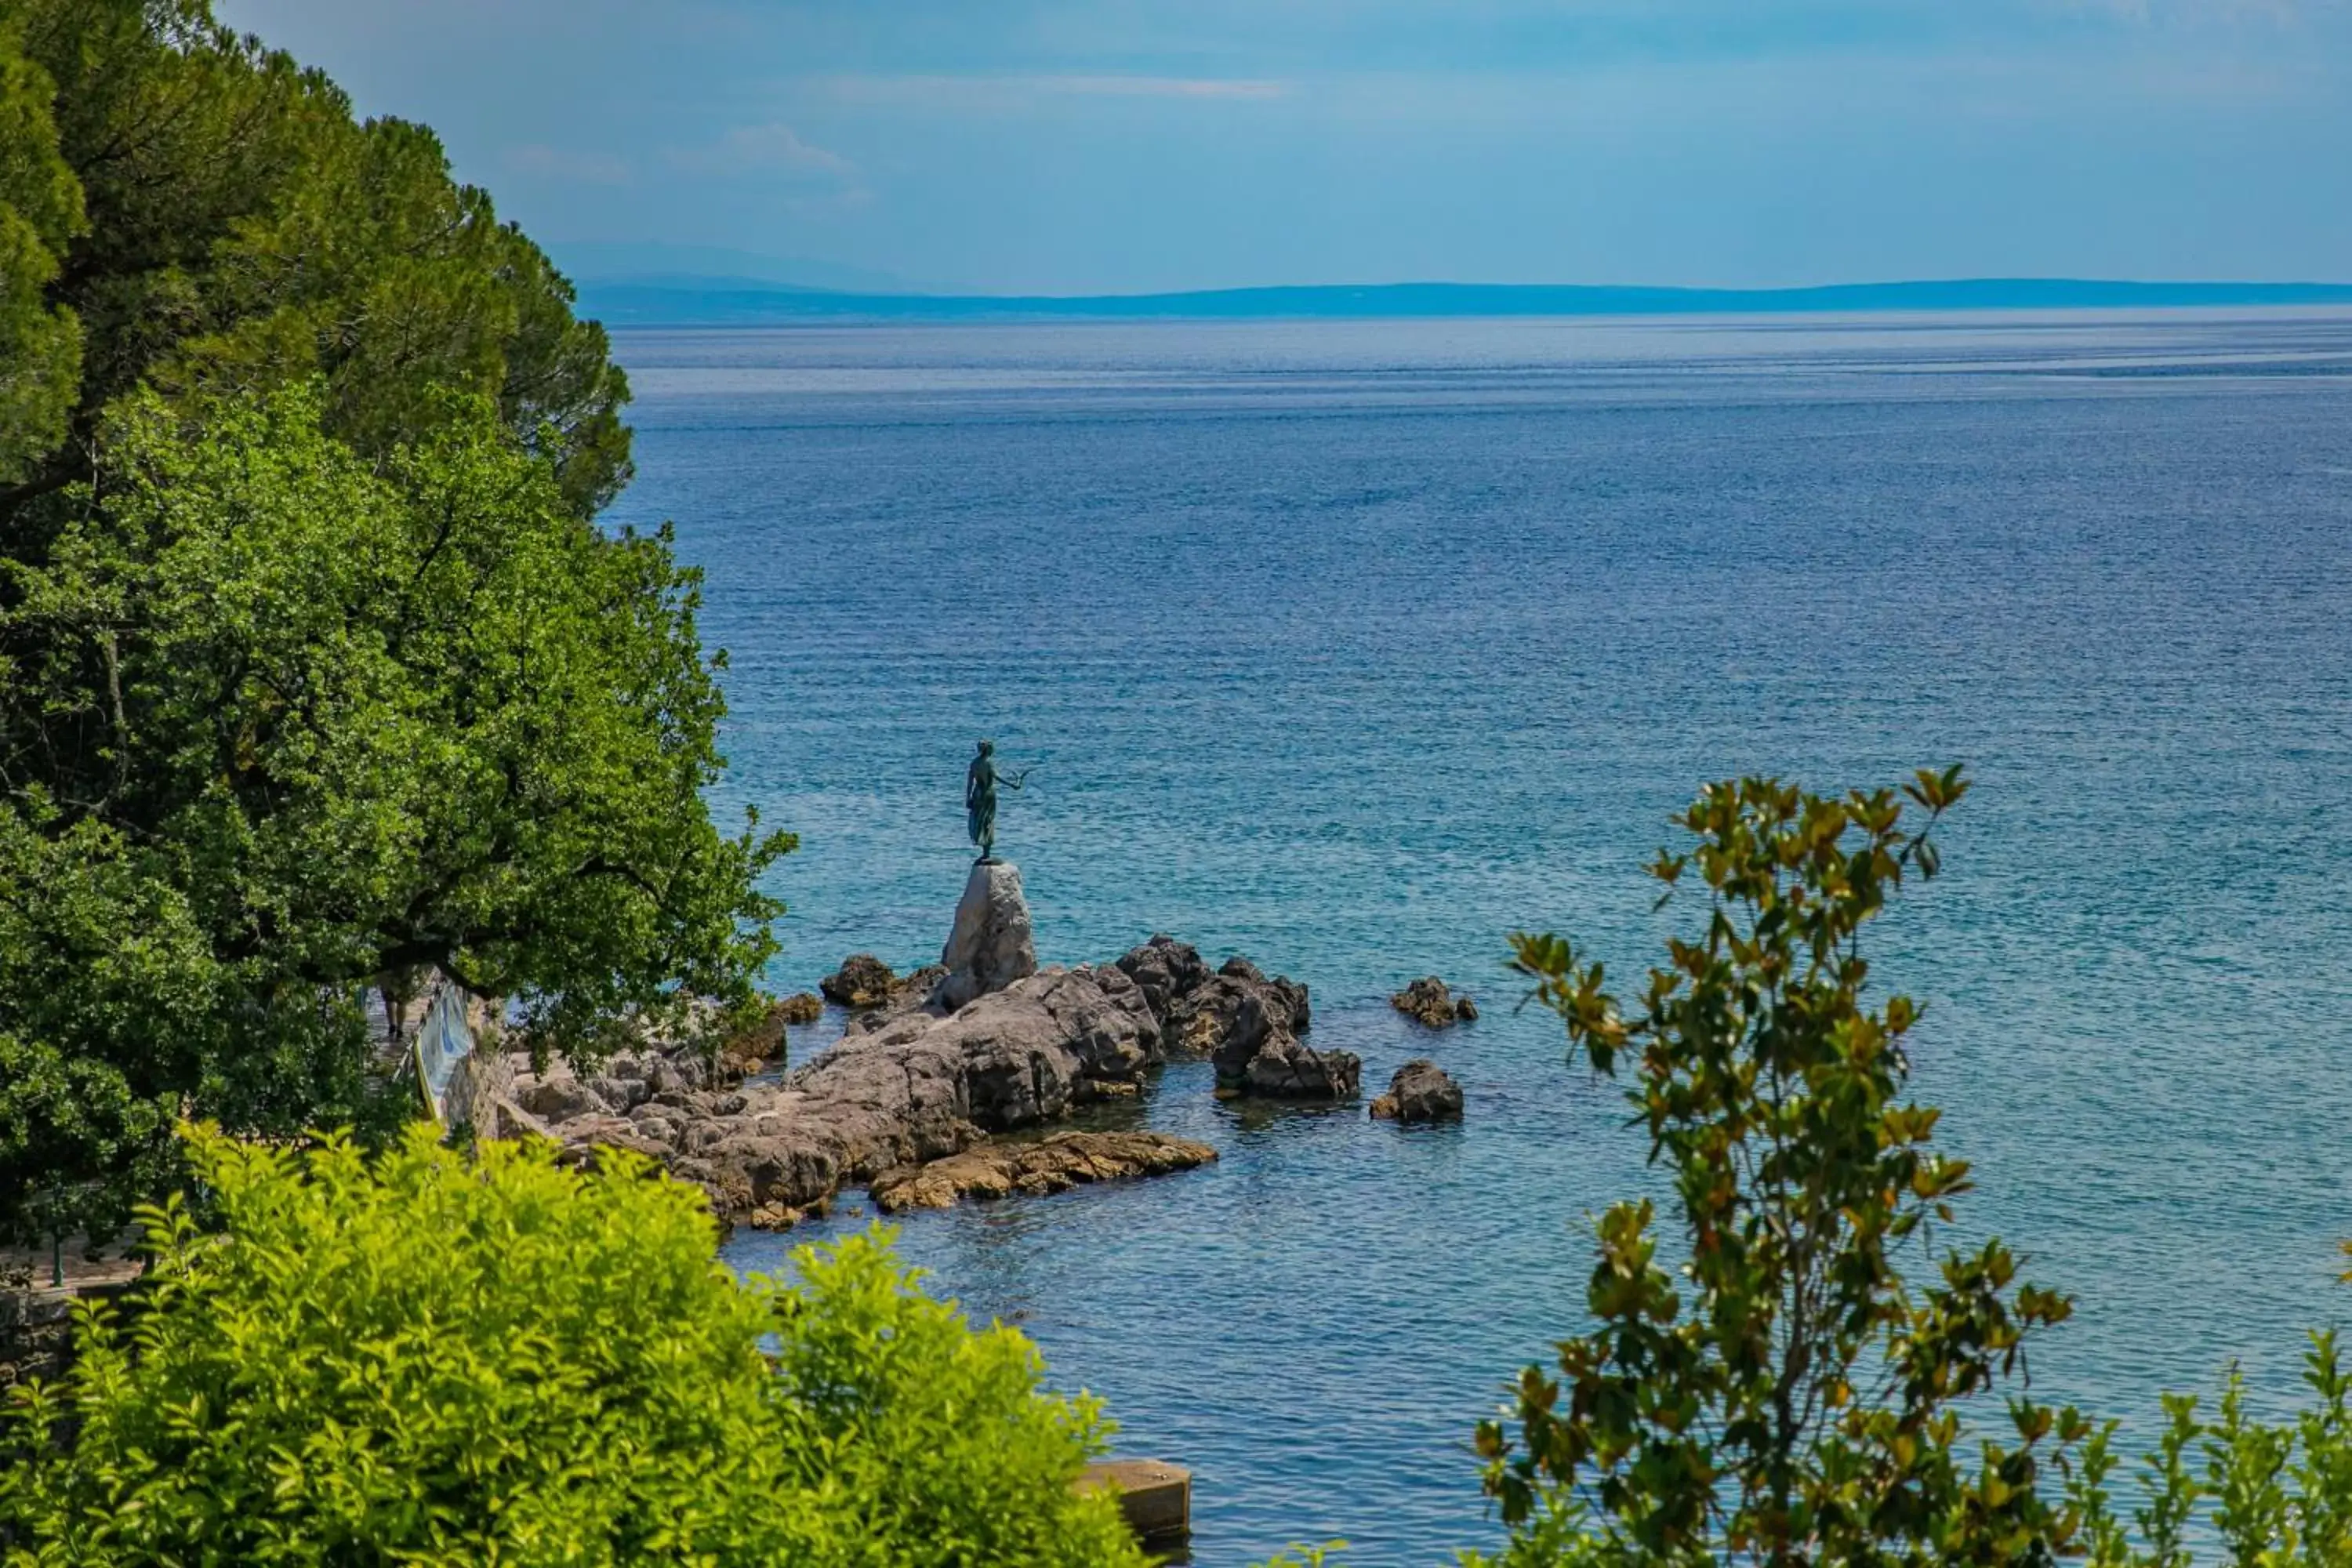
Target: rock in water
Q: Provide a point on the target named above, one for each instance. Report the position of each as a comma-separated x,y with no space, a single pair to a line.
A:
1052,1165
1420,1093
991,945
862,981
802,1008
1233,1012
1169,971
1428,1003
1249,1026
1285,1068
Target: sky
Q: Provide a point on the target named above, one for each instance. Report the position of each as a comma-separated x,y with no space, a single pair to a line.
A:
1083,146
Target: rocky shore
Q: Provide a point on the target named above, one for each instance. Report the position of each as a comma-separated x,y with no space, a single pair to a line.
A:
938,1063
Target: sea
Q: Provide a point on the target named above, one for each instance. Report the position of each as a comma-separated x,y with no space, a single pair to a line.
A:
1354,646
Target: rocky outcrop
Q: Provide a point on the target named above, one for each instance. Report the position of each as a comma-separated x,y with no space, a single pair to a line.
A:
1167,971
914,1089
1063,1160
862,981
750,1049
908,994
801,1009
1286,1068
992,944
1420,1091
1246,1024
1235,1011
1427,1002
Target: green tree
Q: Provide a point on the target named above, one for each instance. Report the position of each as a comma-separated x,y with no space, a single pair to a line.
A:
245,231
314,668
40,212
286,720
1791,1400
421,1359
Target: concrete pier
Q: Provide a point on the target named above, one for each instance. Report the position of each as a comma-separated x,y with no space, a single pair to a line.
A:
1155,1496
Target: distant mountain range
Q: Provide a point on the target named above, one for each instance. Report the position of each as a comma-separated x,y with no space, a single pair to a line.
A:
674,300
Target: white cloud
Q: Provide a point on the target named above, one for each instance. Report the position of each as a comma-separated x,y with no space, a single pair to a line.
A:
1159,87
772,146
556,164
986,93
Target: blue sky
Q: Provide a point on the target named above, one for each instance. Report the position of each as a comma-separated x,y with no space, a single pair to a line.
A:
1086,145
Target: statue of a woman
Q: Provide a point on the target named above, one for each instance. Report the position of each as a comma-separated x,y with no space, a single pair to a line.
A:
980,798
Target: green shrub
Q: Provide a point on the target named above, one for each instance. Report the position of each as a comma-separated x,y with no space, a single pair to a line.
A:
424,1358
2272,1496
1783,1398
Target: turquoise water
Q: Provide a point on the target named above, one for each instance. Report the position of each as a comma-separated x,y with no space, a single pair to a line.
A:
1354,646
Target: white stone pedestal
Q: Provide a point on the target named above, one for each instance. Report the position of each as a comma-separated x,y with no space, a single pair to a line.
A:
991,945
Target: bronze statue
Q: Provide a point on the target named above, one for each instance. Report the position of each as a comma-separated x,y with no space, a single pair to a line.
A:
980,798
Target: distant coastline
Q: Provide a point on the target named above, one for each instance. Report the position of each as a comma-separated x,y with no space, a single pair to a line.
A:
737,301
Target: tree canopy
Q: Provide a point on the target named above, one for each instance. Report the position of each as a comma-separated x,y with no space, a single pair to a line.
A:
245,230
315,666
40,212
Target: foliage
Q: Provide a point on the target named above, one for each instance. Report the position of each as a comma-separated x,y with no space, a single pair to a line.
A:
314,669
40,212
2274,1496
284,720
423,1359
1791,1401
1303,1556
245,231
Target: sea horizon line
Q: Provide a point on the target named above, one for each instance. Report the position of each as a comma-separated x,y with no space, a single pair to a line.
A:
694,301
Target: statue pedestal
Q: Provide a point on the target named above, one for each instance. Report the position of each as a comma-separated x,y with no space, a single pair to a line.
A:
991,945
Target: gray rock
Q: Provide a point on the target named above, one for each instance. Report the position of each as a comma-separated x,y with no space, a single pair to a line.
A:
1167,970
918,1089
1227,1016
1285,1068
559,1098
908,994
623,1094
1420,1091
657,1123
1427,1002
862,981
992,944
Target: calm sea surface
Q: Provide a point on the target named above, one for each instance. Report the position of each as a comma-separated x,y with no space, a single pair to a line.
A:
1353,646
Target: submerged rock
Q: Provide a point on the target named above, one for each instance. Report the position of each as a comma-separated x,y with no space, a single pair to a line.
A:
992,944
1420,1091
862,981
1063,1160
1427,1002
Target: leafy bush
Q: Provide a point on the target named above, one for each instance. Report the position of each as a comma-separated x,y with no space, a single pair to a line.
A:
2274,1496
424,1359
1791,1400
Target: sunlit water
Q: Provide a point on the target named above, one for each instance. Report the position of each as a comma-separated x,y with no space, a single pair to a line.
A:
1355,645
